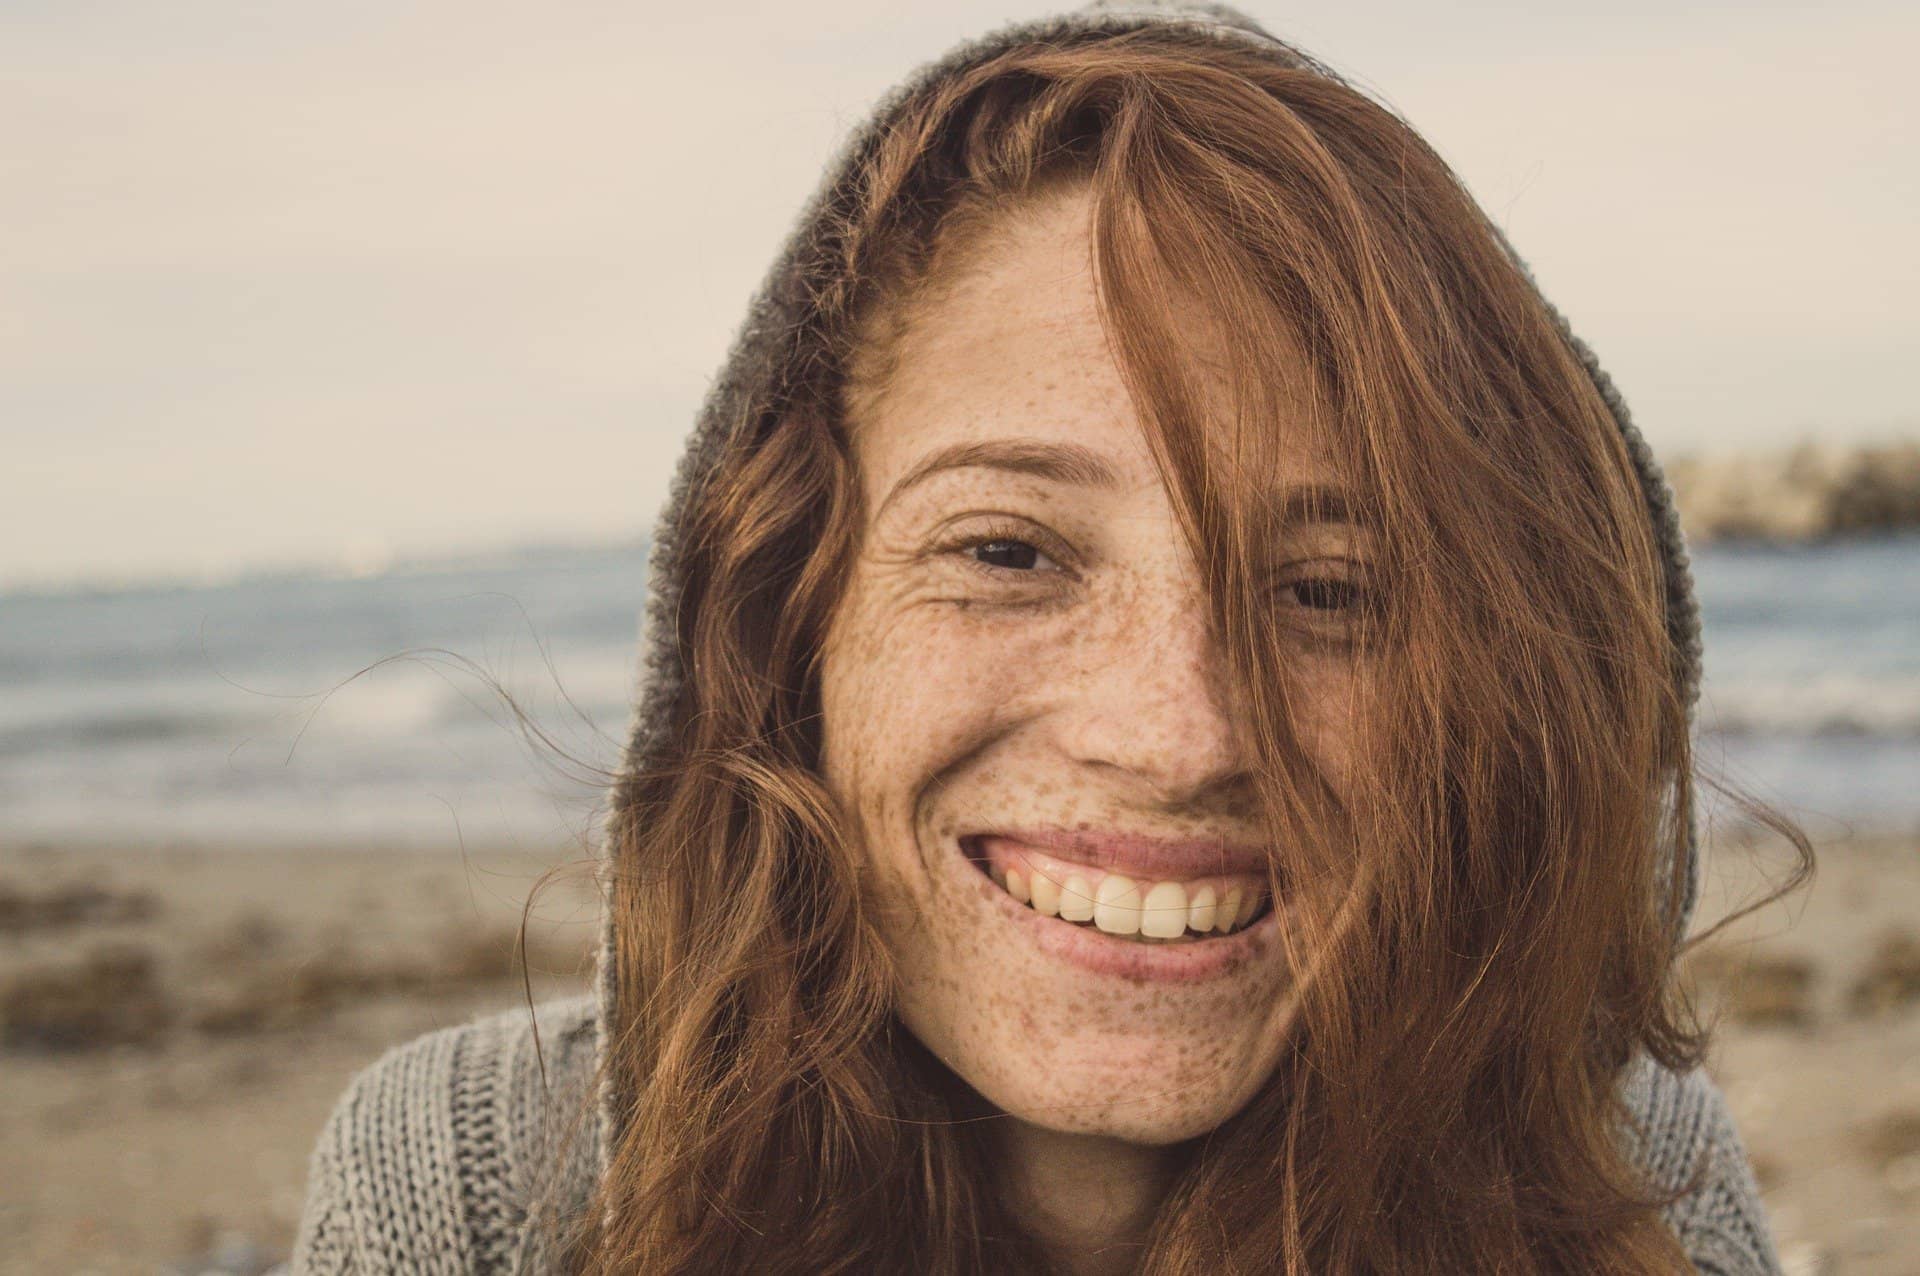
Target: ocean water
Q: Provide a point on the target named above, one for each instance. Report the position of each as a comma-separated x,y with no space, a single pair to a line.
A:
314,711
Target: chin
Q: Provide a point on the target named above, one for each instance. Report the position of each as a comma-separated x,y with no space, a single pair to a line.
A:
1153,1093
1142,1126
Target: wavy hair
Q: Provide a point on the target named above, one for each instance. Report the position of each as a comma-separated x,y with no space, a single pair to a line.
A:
1449,1099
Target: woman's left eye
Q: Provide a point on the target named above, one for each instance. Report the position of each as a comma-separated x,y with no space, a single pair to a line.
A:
1328,593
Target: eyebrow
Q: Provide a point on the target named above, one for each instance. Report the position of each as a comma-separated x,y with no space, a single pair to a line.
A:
1083,467
1056,462
1314,503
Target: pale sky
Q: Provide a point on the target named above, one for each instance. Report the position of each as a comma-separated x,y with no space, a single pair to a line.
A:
311,281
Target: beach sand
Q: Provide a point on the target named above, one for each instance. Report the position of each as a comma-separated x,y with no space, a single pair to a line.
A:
175,1026
1818,1045
172,1045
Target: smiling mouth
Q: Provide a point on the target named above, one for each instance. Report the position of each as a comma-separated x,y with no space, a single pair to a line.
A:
1188,911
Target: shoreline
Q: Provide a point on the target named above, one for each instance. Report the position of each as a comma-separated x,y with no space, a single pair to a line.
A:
1806,491
161,1110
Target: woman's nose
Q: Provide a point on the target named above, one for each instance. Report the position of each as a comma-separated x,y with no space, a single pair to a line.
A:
1150,697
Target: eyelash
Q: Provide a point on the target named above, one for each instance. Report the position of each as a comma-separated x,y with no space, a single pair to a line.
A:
1007,533
1359,596
999,533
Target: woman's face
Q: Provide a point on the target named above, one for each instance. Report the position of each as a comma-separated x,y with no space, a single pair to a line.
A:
1023,651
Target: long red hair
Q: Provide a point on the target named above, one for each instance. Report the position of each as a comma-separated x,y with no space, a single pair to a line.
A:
1450,1100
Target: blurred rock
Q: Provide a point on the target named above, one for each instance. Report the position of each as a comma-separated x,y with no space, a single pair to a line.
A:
228,1254
246,938
23,909
1772,991
296,991
111,997
1806,1260
1891,977
1892,1139
1768,1171
1813,492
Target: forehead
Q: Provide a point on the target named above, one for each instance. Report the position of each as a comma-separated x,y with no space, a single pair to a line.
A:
1010,346
1009,341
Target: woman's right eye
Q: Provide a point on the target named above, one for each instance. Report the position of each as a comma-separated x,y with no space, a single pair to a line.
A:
1005,553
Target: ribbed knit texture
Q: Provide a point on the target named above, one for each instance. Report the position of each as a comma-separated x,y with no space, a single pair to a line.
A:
446,1154
438,1154
442,1156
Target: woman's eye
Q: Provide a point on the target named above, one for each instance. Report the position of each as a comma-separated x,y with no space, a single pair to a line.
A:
1327,593
1006,553
1005,550
1328,600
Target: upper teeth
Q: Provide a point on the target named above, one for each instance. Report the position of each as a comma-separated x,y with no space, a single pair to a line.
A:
1119,905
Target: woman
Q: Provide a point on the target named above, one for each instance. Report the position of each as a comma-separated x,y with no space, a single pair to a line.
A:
1164,744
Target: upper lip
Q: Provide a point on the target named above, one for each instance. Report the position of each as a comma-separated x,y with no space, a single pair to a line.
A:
1140,855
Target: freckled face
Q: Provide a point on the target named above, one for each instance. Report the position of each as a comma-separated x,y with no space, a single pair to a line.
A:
1020,650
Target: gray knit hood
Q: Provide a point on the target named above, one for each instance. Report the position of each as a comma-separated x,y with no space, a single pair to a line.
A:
766,348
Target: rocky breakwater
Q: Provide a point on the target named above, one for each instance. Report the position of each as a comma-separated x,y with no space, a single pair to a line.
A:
1815,491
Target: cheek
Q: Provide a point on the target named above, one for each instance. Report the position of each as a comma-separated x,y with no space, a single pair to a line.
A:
1326,719
906,694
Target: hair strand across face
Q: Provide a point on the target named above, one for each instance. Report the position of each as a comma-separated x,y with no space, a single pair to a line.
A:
1488,940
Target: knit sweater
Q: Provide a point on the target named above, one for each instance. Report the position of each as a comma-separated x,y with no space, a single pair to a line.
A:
441,1157
451,1152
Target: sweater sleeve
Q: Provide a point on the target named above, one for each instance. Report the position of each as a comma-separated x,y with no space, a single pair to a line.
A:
324,1245
1724,1224
383,1191
1681,1120
435,1156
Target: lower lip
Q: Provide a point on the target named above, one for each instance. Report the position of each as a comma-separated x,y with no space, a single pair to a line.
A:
1094,950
